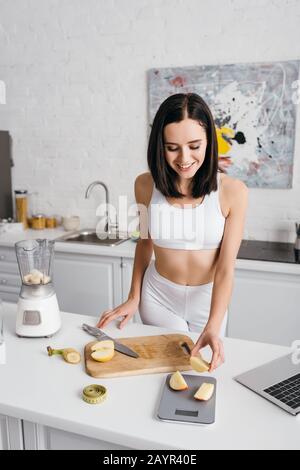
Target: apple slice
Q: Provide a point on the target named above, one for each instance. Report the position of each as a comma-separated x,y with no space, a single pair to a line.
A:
204,392
103,355
103,351
199,364
177,382
104,344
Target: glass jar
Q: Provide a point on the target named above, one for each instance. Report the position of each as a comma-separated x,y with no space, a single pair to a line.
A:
51,222
21,206
38,221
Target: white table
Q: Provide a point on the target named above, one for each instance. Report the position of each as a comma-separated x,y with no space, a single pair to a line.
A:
47,391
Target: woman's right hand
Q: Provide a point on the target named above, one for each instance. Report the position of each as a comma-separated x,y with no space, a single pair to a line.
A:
126,310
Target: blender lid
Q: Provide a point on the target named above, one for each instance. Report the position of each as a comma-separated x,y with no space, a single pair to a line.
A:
27,245
35,244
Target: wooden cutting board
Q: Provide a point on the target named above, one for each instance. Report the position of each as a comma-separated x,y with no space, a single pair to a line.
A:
163,353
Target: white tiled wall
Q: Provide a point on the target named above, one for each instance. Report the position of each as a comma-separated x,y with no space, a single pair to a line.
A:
75,75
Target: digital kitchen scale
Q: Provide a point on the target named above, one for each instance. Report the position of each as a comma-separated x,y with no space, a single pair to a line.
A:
181,406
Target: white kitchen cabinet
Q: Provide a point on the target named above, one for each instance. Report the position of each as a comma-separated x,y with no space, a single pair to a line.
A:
3,433
87,284
265,306
10,281
17,434
11,433
127,269
38,437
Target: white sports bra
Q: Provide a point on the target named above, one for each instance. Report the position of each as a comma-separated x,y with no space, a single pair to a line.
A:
188,228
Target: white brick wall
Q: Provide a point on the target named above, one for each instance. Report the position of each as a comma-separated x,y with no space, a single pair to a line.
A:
75,75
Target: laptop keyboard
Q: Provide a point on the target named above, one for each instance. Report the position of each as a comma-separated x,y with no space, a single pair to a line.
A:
287,391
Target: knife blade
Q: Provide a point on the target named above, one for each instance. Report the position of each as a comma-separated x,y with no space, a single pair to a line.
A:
92,330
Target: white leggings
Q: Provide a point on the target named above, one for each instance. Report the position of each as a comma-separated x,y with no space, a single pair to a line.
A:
167,304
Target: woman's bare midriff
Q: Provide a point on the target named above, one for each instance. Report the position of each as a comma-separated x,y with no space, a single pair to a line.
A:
186,267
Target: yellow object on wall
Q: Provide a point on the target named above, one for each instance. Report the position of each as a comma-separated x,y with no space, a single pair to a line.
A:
223,144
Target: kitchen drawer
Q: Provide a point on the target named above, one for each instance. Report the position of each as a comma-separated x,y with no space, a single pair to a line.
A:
8,255
9,281
8,260
9,296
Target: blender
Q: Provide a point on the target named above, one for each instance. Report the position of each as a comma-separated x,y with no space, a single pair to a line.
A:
38,313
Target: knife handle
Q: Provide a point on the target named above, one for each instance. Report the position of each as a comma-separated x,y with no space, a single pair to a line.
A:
186,347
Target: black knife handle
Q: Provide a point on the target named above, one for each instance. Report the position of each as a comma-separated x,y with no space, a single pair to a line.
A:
187,348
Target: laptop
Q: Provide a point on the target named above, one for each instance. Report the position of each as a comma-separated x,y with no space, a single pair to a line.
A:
278,381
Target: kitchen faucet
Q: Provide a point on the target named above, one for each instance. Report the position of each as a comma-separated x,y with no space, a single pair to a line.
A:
91,186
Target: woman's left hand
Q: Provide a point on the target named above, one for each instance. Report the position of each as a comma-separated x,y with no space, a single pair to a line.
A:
211,338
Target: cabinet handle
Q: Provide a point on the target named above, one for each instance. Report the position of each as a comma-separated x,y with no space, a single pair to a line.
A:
4,281
123,265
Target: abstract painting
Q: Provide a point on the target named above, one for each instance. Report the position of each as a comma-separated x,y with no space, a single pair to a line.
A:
254,113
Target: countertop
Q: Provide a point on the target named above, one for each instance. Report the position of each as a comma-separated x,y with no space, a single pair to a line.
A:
47,391
253,254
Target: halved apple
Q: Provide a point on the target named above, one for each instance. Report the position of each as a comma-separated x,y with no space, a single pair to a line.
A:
204,392
177,382
199,364
104,344
104,355
103,351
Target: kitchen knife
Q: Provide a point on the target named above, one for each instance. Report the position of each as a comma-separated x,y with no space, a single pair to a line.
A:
101,336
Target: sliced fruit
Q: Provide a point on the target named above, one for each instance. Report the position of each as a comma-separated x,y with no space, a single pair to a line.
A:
46,279
105,344
103,351
177,382
204,392
27,278
103,355
199,364
36,277
69,354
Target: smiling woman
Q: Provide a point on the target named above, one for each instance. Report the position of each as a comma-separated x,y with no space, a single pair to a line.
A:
186,142
188,157
195,226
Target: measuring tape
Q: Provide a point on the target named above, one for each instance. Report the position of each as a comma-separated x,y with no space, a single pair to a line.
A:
94,394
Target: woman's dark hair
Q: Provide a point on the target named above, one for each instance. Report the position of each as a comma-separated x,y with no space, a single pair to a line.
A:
174,109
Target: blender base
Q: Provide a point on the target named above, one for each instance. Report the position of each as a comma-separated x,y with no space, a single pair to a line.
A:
38,317
46,336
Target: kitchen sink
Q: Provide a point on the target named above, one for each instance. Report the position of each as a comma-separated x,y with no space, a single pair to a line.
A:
90,237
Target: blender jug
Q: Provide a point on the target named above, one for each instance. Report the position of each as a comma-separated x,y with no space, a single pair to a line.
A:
35,261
